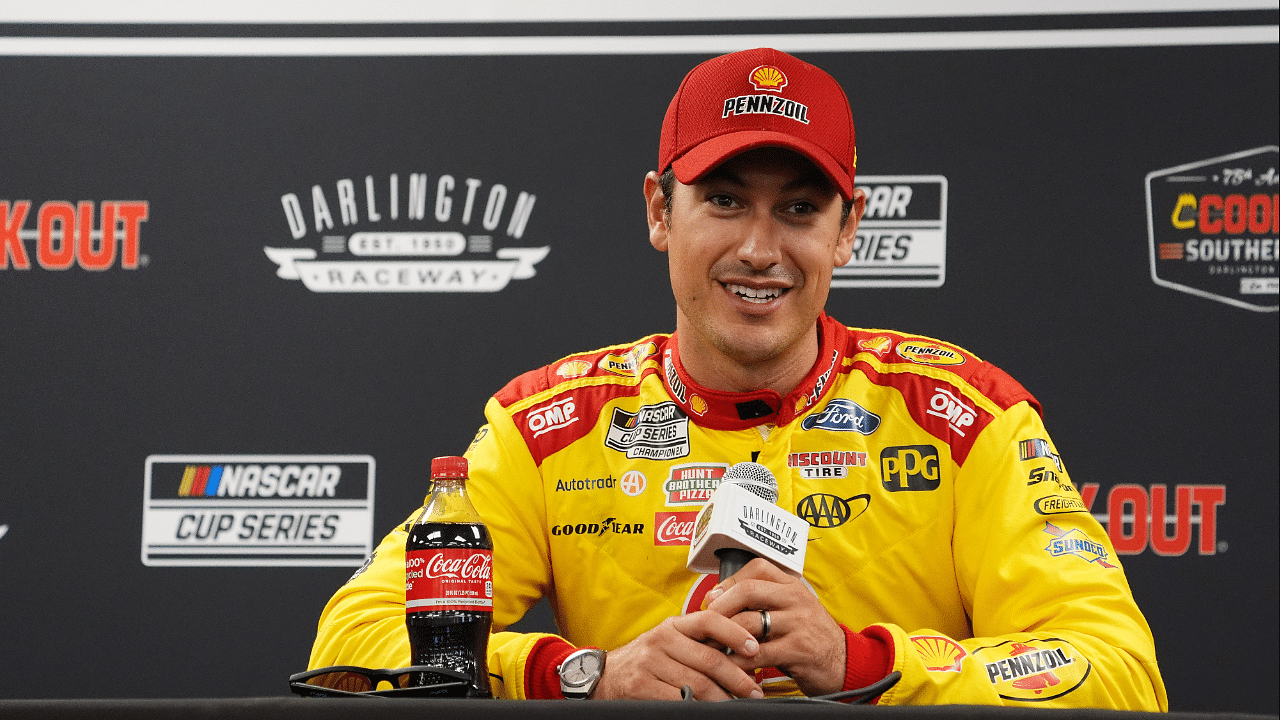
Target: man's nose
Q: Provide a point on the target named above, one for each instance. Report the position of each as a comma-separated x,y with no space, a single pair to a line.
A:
761,244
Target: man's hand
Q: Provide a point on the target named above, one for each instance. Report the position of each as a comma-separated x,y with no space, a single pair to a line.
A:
682,650
804,641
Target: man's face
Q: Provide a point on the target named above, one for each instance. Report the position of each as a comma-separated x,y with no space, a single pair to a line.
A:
751,248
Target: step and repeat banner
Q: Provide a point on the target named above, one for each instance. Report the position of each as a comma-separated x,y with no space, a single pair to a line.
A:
256,271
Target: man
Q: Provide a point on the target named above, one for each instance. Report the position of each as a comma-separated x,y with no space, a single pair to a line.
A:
947,541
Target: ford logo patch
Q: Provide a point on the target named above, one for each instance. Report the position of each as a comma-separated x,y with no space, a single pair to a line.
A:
845,416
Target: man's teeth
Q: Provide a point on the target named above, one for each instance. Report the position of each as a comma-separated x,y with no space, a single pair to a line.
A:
760,295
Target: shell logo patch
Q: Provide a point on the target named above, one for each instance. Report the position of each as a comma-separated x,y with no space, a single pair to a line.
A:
769,78
698,405
927,352
573,369
1033,671
879,345
939,654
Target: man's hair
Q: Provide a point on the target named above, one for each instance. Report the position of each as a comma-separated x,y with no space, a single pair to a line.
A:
668,182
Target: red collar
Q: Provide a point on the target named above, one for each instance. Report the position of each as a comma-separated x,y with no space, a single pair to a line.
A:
720,410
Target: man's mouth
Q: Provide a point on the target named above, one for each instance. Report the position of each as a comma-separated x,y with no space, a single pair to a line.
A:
755,295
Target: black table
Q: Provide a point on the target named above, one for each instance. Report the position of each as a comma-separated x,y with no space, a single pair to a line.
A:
402,708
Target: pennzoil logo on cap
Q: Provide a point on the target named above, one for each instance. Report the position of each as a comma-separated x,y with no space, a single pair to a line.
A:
766,105
768,78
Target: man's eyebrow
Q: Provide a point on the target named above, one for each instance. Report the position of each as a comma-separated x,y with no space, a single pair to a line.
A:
812,179
723,174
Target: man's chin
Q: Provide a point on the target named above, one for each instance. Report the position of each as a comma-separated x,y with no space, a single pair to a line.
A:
761,348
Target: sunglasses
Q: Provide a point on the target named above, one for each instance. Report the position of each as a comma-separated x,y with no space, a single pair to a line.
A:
352,681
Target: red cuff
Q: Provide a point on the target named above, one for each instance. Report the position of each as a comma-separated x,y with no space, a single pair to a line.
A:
541,681
868,657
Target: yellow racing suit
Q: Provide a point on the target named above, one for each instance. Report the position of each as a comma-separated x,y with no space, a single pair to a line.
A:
941,515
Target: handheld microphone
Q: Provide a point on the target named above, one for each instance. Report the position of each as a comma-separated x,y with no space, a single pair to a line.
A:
741,521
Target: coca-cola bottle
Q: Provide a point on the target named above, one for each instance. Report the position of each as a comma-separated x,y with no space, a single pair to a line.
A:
448,585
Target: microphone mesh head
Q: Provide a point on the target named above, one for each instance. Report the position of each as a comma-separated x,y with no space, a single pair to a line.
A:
754,478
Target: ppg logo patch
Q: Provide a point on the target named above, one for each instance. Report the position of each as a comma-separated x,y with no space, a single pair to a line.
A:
843,415
909,468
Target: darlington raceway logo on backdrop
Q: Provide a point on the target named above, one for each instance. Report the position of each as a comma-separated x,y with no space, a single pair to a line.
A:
902,239
258,510
1213,226
430,234
60,234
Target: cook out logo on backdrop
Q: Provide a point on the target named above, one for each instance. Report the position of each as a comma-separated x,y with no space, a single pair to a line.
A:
1138,517
257,510
60,234
902,239
433,218
1213,228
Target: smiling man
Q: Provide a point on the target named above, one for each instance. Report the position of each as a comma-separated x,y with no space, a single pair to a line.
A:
947,546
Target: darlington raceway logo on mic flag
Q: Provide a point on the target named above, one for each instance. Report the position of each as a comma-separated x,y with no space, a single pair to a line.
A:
249,510
430,234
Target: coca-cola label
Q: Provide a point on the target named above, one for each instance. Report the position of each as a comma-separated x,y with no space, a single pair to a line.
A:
448,579
673,528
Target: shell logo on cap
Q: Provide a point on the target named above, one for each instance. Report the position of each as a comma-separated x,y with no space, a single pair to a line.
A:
768,77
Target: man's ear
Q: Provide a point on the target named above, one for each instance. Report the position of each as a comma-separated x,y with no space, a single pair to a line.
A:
848,233
656,208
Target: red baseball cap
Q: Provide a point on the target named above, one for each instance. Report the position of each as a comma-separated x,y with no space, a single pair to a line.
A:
758,98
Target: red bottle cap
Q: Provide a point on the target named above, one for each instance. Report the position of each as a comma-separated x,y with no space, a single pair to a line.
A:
449,466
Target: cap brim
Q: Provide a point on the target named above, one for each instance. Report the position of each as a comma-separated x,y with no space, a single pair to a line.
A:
705,157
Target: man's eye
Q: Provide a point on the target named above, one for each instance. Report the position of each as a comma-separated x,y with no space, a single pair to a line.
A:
802,208
723,201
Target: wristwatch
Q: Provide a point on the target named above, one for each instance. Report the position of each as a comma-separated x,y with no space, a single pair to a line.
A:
580,672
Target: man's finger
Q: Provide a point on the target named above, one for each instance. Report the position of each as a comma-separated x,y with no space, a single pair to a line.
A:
708,663
716,629
753,622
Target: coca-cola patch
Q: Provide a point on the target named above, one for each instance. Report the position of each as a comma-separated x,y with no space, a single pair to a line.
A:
448,579
673,528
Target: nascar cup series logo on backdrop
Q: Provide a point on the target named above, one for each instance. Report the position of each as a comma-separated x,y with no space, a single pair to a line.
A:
902,239
431,234
257,510
59,235
1213,225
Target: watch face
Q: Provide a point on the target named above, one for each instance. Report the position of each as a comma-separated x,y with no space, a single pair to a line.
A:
581,669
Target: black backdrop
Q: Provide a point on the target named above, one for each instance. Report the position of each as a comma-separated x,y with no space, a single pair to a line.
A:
202,349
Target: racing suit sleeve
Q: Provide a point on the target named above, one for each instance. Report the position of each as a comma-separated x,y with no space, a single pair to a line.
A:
363,623
1054,621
